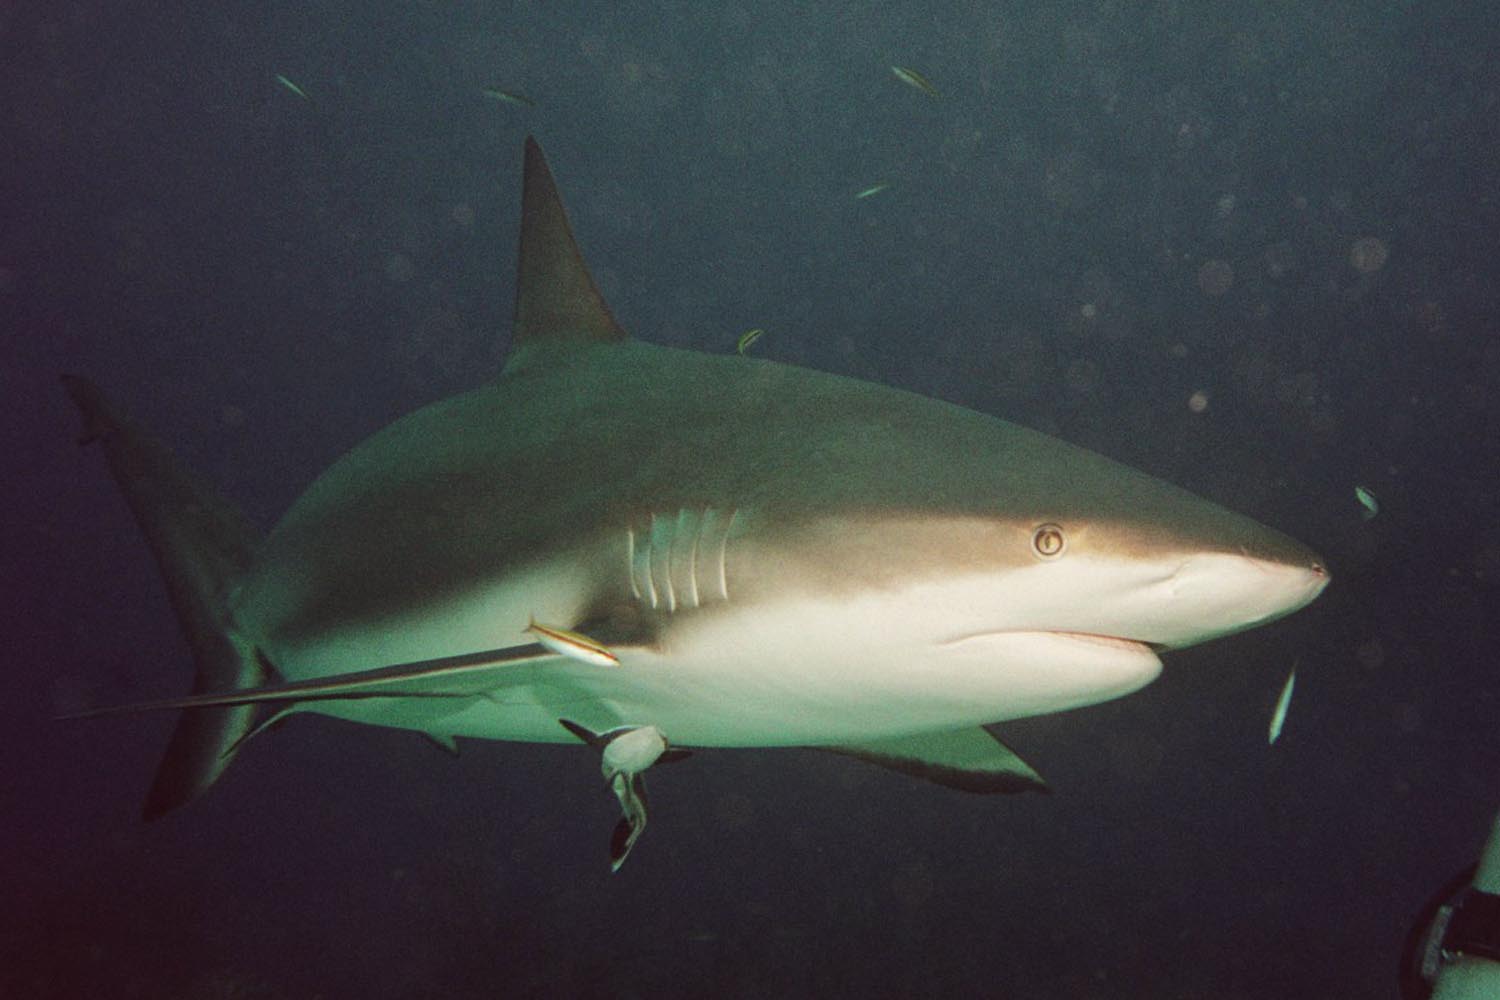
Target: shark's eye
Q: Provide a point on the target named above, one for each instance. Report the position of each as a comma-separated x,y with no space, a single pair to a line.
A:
1047,541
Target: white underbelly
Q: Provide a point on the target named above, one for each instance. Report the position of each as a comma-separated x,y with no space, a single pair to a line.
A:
718,701
775,675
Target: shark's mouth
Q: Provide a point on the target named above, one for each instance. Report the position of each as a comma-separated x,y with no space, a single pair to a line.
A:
1119,643
1114,641
1045,671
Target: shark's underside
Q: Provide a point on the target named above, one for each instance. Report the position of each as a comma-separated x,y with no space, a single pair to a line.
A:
638,545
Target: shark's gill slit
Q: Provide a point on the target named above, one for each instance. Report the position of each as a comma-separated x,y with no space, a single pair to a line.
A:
630,566
723,570
682,559
661,561
710,545
691,532
640,572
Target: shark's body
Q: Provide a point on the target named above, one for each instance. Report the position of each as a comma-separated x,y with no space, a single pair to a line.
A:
775,556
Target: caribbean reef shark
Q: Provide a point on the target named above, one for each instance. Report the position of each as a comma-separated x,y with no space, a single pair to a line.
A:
652,549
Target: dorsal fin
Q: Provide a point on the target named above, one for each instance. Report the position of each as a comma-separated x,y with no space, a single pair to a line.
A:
556,298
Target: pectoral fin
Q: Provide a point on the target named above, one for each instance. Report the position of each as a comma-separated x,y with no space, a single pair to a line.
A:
971,760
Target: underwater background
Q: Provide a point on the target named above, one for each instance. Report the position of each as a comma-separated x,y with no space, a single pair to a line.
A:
1250,248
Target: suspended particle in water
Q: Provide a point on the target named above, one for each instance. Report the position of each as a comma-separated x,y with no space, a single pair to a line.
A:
1215,277
1198,401
399,268
1368,254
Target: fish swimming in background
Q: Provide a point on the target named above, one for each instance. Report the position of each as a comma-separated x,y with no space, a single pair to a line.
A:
1367,501
912,78
508,97
748,339
1284,702
289,85
761,555
871,191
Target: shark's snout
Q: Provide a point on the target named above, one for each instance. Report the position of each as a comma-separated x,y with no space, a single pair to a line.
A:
1214,594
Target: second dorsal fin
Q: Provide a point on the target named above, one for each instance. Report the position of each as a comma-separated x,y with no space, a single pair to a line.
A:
557,301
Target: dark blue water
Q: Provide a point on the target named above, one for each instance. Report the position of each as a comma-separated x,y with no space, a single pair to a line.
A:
1285,210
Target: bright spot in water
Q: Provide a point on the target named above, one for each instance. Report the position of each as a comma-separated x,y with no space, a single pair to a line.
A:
1215,277
1368,254
398,267
1224,205
1088,310
1198,401
1280,258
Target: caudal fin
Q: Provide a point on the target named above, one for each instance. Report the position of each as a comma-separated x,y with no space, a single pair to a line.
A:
202,546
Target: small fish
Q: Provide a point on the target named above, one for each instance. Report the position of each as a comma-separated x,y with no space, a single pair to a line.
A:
871,191
748,338
579,647
912,78
508,97
289,85
1278,716
1367,501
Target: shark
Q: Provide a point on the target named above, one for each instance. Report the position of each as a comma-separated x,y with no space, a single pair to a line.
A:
653,550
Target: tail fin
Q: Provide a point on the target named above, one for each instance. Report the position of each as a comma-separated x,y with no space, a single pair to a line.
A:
202,546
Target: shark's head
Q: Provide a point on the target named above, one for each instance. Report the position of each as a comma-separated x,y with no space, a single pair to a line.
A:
1030,573
970,525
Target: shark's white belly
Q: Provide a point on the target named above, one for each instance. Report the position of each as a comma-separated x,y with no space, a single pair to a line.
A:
780,674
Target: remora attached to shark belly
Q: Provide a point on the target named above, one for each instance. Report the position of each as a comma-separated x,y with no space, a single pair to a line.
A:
715,551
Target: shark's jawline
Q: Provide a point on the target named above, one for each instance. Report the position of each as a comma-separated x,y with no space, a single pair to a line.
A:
1113,641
